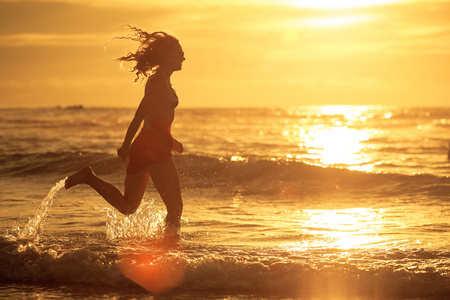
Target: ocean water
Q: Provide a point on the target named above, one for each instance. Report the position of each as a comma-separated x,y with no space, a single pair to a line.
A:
324,202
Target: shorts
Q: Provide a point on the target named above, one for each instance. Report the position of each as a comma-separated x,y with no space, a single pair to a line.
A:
147,149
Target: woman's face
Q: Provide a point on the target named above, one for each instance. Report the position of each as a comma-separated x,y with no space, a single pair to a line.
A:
174,57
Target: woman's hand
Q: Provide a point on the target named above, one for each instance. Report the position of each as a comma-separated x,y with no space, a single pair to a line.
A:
123,152
177,146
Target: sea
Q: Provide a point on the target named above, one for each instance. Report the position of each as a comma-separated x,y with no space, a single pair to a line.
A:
308,202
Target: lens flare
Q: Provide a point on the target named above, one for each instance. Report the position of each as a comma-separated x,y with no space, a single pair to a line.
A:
157,273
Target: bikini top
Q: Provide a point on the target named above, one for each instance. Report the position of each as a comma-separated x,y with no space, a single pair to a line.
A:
172,94
174,99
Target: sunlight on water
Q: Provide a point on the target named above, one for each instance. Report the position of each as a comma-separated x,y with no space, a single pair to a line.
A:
334,143
350,112
347,228
353,228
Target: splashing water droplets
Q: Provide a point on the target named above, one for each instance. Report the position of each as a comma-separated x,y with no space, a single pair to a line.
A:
35,225
146,222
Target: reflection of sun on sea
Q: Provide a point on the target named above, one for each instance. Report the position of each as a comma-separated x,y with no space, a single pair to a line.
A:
335,138
347,228
341,228
337,146
334,144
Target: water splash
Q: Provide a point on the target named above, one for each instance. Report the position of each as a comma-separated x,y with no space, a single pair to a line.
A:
35,225
146,222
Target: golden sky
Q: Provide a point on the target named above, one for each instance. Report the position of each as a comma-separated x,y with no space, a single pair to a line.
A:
239,52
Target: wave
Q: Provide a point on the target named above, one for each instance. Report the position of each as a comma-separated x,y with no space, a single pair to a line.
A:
252,176
70,117
50,123
218,269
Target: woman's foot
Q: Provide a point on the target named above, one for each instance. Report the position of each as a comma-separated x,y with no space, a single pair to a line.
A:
172,231
81,176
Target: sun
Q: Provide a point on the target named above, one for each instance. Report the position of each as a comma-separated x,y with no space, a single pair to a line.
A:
342,14
338,4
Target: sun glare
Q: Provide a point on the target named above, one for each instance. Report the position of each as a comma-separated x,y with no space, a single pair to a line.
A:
348,18
333,21
338,4
350,228
336,145
347,228
333,141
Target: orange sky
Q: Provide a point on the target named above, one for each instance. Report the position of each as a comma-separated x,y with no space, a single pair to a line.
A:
239,52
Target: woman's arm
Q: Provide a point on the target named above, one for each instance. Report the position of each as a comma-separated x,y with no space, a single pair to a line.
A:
177,146
139,116
152,92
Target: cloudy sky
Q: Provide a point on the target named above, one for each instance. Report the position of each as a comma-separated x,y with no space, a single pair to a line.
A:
239,52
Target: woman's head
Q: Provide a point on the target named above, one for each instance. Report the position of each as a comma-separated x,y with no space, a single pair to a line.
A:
157,49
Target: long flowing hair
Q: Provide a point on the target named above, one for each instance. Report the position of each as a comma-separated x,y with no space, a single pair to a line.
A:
150,52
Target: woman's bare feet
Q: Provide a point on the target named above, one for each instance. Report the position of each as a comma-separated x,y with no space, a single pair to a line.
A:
82,176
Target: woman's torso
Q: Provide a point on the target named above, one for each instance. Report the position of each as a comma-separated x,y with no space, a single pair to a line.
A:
162,107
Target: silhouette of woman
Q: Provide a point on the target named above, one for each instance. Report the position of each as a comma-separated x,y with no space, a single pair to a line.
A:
159,54
448,154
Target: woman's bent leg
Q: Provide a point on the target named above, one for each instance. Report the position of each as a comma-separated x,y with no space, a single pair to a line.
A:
165,177
135,186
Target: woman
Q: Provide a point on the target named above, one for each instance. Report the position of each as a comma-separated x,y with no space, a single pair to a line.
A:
150,153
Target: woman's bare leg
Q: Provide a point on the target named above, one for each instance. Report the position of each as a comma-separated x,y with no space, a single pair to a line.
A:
165,177
135,186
